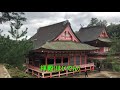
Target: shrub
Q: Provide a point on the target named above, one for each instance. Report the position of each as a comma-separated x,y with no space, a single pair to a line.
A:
116,67
8,66
17,73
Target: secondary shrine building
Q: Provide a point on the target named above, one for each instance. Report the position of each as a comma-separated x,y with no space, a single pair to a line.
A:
57,44
95,36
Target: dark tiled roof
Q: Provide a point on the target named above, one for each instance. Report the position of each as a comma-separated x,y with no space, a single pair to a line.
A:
89,33
104,39
67,45
48,33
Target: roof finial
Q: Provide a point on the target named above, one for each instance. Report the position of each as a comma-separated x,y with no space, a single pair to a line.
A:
81,25
65,22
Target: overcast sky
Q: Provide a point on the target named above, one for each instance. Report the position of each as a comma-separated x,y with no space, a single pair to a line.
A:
40,19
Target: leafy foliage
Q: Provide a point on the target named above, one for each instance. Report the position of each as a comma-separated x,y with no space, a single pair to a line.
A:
16,26
11,16
96,22
13,52
16,73
1,32
114,33
114,30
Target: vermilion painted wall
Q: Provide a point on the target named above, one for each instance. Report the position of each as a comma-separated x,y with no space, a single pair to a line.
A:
104,34
67,35
102,49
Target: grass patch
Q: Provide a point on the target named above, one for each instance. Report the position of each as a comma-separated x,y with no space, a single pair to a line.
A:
16,73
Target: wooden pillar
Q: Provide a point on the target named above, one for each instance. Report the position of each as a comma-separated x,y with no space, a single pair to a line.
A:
43,75
90,68
80,58
54,59
59,73
68,60
73,72
74,59
50,75
32,72
38,75
46,60
85,59
93,67
62,60
66,72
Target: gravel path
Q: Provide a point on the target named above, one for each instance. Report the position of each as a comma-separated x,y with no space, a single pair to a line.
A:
3,72
102,74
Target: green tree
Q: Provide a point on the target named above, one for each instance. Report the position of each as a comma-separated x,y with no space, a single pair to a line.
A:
115,43
13,51
16,26
97,22
9,16
93,22
1,32
113,30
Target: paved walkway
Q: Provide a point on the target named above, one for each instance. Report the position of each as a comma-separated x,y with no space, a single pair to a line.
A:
3,72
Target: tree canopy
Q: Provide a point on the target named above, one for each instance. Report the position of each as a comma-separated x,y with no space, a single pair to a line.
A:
113,31
13,51
97,22
11,16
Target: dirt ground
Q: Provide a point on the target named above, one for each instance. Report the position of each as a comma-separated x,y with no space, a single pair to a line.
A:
102,74
3,72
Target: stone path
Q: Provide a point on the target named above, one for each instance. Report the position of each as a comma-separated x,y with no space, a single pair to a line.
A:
3,72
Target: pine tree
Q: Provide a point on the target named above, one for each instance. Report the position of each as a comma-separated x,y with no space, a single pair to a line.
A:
9,16
97,22
1,32
16,26
13,51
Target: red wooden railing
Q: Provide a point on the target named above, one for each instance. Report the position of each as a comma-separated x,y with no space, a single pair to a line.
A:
81,66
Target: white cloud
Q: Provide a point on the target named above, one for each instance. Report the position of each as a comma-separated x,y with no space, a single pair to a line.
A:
108,14
40,19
